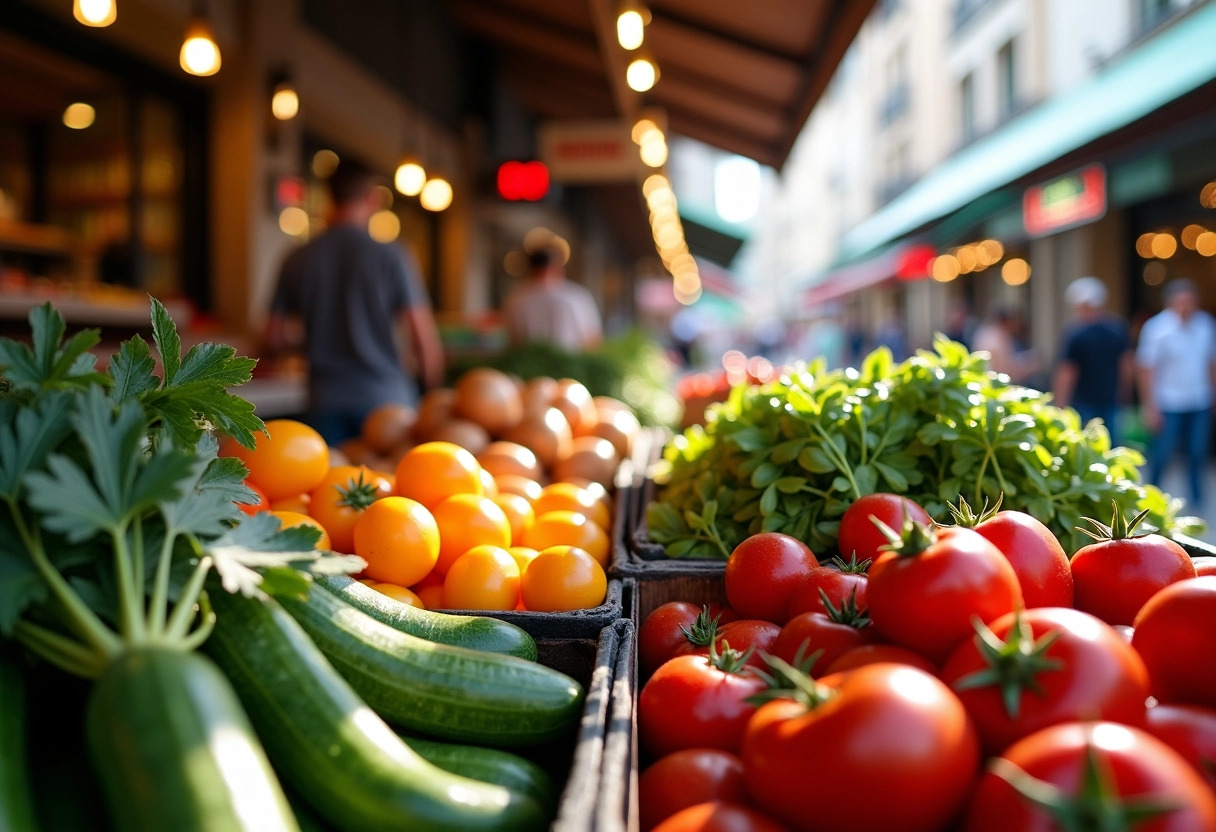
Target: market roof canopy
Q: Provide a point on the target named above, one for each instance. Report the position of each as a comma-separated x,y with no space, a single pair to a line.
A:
741,75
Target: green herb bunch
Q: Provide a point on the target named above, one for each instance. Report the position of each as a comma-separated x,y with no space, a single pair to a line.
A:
114,506
790,456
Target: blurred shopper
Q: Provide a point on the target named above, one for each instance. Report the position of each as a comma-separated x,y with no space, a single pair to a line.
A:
998,336
551,308
1095,369
1176,362
960,323
348,301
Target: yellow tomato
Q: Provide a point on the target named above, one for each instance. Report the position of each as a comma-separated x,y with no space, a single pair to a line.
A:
519,514
399,540
566,496
399,593
563,578
568,528
483,578
288,459
433,471
341,497
465,521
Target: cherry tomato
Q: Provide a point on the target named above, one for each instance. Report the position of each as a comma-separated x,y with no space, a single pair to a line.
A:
483,578
563,578
339,499
288,459
893,727
1132,765
262,503
763,571
879,654
1114,578
831,634
927,598
662,633
1037,557
691,703
719,817
838,585
1175,634
859,535
760,636
1191,731
1052,665
399,540
686,778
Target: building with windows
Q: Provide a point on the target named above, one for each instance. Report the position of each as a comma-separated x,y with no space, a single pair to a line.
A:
1064,137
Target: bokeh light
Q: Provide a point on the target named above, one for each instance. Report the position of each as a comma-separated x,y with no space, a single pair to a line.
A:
1015,272
384,226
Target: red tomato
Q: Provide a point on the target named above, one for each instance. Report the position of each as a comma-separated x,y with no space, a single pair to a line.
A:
1132,764
690,703
719,817
262,504
1204,565
893,728
1042,667
1189,730
880,654
1114,577
759,635
762,573
839,585
858,534
686,778
1037,557
1175,634
927,598
662,633
831,634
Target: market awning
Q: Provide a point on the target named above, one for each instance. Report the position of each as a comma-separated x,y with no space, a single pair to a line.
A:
741,76
1171,64
902,261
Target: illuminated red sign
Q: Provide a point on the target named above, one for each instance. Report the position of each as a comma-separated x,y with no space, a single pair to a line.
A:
1067,202
914,262
526,181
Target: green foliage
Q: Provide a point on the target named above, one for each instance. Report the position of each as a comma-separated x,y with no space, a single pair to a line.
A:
792,455
630,367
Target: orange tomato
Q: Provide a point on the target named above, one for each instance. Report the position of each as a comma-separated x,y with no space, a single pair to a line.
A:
519,514
343,495
523,556
465,521
433,471
514,484
296,502
568,528
288,459
483,578
399,593
399,540
289,519
563,578
432,597
566,496
253,508
489,488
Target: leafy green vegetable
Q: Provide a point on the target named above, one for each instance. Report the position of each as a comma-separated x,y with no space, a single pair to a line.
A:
115,506
792,455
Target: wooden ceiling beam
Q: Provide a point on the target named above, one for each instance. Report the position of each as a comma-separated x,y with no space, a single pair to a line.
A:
529,36
758,119
720,136
613,58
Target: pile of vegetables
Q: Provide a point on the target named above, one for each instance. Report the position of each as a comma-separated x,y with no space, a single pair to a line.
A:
123,550
980,677
791,455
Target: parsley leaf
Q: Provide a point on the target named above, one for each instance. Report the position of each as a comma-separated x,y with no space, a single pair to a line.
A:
47,365
133,370
259,544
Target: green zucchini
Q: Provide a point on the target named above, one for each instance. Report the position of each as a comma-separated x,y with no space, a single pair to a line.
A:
476,632
16,797
447,692
174,750
489,765
331,749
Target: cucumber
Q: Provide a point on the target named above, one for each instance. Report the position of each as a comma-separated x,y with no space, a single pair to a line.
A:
476,632
174,750
488,765
331,749
448,692
16,797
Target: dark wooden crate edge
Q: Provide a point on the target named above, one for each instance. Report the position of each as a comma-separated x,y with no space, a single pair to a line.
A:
588,623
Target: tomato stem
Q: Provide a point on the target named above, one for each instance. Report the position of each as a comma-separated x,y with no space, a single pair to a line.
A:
1014,664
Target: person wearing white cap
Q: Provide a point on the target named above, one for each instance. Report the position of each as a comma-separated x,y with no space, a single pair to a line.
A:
1094,372
1177,374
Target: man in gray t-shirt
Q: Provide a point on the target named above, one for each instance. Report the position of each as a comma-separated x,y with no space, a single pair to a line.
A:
347,297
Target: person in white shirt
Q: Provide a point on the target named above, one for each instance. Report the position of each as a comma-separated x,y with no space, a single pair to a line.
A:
1176,371
551,308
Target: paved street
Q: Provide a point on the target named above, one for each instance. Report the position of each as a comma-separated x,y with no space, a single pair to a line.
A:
1175,483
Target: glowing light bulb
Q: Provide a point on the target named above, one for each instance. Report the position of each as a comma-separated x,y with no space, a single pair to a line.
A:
200,55
410,178
641,75
78,116
436,194
95,12
285,104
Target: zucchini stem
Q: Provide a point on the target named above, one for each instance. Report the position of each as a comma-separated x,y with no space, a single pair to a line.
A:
130,604
158,611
